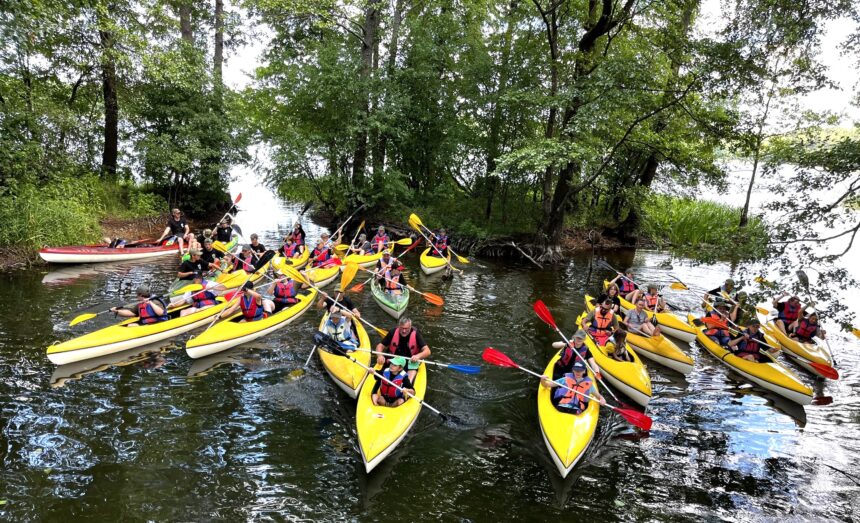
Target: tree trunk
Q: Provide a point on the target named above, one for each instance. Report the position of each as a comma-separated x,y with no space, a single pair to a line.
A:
371,23
218,58
745,213
393,45
185,22
111,105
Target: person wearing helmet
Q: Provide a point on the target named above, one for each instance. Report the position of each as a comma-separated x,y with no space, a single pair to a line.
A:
149,309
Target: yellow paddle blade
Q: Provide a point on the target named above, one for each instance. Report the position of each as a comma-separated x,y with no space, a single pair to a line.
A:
361,225
403,241
341,247
678,286
415,222
294,274
348,274
82,317
460,258
762,310
856,332
381,332
189,288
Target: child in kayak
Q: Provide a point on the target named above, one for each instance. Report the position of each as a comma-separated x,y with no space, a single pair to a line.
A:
573,391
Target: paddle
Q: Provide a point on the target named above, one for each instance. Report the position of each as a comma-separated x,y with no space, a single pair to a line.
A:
296,275
415,223
726,296
401,241
349,247
465,369
435,299
337,232
345,279
80,318
638,419
226,214
330,343
825,370
268,255
543,313
358,287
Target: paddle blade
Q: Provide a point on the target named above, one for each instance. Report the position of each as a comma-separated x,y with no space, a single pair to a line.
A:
461,259
381,332
803,278
435,299
194,287
238,197
341,247
856,332
294,274
825,370
237,229
762,310
544,314
635,418
491,355
403,241
82,317
679,286
358,287
415,222
465,369
348,275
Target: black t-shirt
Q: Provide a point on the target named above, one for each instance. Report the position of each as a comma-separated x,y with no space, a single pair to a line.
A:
177,227
615,299
343,303
403,345
192,266
259,248
223,234
406,385
211,256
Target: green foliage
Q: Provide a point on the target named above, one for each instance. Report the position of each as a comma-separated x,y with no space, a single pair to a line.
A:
703,229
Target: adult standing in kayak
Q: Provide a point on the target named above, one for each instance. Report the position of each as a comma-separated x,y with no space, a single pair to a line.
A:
807,328
256,246
177,227
626,284
788,312
601,322
573,401
193,265
384,393
380,241
224,233
567,357
636,319
612,294
404,341
440,242
749,342
252,304
339,326
148,309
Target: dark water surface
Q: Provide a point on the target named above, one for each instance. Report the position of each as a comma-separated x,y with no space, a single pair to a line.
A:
153,435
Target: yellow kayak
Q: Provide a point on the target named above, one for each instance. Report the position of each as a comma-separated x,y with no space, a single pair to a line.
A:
320,276
228,246
363,260
120,337
669,323
802,353
629,377
655,348
232,331
566,435
771,375
296,262
347,375
381,429
433,264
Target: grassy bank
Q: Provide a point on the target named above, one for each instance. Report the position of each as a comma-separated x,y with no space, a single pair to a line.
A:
67,211
702,229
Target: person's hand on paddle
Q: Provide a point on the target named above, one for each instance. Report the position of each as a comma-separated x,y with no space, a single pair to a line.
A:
415,358
356,313
380,360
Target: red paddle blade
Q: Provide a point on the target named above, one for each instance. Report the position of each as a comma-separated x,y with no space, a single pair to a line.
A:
544,314
238,197
230,295
825,370
638,419
495,357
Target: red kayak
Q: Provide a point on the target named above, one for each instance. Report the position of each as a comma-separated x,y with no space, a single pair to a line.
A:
135,250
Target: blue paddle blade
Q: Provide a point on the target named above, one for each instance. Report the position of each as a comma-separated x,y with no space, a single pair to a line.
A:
465,369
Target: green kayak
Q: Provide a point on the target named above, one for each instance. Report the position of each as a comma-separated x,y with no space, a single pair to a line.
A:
394,305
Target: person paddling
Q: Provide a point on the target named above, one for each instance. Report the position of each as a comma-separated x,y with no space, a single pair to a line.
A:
322,252
177,227
636,319
339,327
210,256
326,301
718,329
384,393
653,301
200,300
626,284
361,245
728,287
223,233
385,264
256,246
567,357
291,248
788,312
148,310
380,241
394,282
808,328
299,233
404,341
252,304
601,322
612,294
573,401
285,293
440,242
749,342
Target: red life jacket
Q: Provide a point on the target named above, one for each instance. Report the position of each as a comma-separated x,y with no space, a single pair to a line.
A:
299,236
602,322
572,400
286,292
391,284
751,346
626,286
377,240
251,310
651,300
413,342
389,391
146,314
789,312
291,250
204,299
721,330
806,330
320,256
441,243
567,354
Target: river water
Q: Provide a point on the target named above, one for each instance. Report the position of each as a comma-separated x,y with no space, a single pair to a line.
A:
246,435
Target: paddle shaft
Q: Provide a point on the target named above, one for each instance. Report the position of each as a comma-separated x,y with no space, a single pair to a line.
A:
447,262
401,285
360,207
578,355
392,355
542,377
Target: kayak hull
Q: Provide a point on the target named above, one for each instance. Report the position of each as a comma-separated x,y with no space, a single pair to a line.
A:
232,332
801,353
363,260
567,436
381,429
770,376
102,253
347,375
387,302
120,337
433,264
669,323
